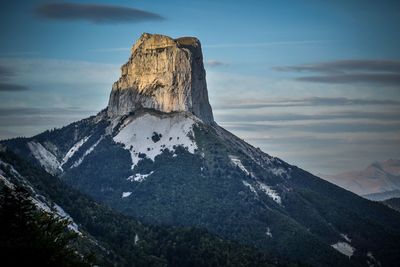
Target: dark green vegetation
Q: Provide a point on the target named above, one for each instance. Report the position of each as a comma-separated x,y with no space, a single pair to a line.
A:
207,190
30,237
116,239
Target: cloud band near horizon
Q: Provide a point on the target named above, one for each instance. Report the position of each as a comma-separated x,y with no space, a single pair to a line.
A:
378,72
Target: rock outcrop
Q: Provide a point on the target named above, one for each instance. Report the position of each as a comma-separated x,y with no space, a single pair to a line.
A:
164,74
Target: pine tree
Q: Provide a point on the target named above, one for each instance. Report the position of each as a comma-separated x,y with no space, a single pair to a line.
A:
30,237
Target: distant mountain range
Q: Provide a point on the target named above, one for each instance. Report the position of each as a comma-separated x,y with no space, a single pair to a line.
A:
378,181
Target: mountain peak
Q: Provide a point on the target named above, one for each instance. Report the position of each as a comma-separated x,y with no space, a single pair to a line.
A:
164,74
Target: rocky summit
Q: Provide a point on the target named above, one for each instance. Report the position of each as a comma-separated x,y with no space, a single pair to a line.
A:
164,74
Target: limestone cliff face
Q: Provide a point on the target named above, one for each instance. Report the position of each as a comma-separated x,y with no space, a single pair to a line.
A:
164,74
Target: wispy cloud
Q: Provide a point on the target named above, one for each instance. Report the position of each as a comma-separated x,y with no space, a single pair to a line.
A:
53,111
110,50
18,53
214,63
40,71
382,72
304,102
28,121
9,87
294,117
59,83
341,66
95,13
375,78
6,74
318,127
263,44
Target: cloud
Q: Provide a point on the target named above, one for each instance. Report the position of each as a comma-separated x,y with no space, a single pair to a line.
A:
53,111
5,74
293,117
9,87
305,102
264,44
18,53
340,66
75,73
110,50
383,79
59,83
95,13
381,72
29,121
316,127
214,63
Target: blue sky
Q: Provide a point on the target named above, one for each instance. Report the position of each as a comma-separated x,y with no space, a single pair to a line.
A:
315,83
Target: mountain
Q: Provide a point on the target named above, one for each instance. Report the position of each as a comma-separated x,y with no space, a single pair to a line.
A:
383,195
377,178
156,154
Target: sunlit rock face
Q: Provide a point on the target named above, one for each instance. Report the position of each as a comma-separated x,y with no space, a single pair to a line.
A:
164,74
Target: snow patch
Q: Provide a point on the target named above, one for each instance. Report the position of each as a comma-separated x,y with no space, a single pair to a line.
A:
6,181
56,211
126,194
139,177
73,149
87,152
268,233
40,205
274,166
61,213
345,237
371,261
11,167
270,192
252,189
279,171
344,248
173,131
45,157
236,161
136,239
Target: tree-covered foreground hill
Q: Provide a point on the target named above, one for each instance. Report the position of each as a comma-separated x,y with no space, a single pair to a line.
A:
31,235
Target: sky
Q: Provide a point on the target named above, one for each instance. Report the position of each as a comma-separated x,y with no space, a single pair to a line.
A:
316,83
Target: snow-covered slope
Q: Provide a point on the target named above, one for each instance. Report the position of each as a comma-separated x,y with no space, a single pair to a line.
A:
47,159
74,149
148,135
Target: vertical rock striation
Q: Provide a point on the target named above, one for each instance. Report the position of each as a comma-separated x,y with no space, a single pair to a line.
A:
164,74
